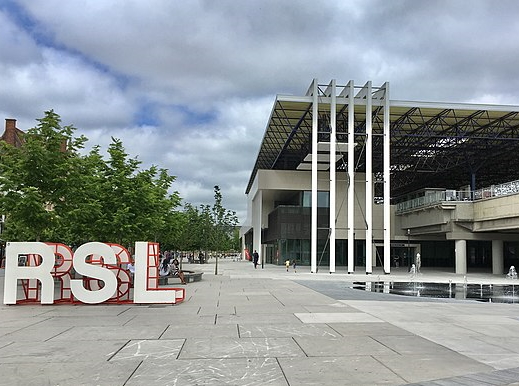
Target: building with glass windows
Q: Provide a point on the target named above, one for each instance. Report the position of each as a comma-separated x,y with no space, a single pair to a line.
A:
402,177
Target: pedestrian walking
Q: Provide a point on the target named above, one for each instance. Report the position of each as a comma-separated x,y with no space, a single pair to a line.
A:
255,258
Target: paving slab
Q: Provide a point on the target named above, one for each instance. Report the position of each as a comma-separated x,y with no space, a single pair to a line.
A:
278,309
437,330
498,361
84,320
220,348
412,345
342,346
233,372
500,377
502,327
427,367
334,317
510,342
144,349
105,333
171,318
33,333
25,353
327,308
67,373
177,309
190,330
368,329
338,371
476,347
285,330
258,317
14,322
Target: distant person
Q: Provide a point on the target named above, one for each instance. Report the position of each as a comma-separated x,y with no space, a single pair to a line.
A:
131,268
255,258
164,268
177,272
287,264
294,265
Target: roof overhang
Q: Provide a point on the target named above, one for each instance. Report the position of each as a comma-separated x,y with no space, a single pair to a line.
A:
431,144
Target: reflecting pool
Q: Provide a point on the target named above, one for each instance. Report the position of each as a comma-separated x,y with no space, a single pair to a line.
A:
494,293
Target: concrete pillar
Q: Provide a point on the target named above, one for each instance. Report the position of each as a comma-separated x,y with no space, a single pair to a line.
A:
460,251
498,262
257,218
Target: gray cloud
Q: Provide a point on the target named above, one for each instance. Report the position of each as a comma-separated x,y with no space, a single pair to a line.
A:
189,85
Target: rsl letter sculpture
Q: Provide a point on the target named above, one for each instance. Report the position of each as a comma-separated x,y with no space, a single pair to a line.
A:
47,275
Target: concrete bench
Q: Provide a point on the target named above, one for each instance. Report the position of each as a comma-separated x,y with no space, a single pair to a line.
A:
189,276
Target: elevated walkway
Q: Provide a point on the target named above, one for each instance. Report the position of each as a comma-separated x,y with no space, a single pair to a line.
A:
494,209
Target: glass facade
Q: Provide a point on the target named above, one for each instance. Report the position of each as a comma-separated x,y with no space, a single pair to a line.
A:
288,235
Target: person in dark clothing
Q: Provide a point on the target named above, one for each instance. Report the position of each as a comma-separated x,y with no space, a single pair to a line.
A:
176,271
255,258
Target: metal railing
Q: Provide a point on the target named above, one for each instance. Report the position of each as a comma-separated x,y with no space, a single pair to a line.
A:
437,197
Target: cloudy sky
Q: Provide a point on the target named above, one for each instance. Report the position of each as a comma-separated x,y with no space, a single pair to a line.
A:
189,85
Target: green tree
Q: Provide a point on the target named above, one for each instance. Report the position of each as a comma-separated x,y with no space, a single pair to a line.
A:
190,233
83,207
35,178
224,222
52,193
135,203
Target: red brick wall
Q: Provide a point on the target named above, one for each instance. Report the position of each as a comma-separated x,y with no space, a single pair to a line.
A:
12,135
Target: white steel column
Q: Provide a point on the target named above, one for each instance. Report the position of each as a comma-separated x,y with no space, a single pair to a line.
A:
313,240
351,176
387,182
333,173
369,178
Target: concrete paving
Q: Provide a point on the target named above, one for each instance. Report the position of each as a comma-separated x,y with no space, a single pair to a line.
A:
249,326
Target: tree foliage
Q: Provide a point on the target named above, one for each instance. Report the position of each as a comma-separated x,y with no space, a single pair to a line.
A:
224,222
52,192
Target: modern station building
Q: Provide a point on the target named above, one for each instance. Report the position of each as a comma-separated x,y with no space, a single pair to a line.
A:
345,176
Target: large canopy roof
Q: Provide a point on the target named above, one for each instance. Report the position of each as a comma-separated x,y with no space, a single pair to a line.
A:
433,145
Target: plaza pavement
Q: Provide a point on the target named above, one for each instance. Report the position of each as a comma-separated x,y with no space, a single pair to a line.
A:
249,326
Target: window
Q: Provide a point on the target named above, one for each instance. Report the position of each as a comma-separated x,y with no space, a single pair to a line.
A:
323,199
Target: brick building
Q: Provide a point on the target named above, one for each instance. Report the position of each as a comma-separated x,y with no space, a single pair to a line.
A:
12,135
